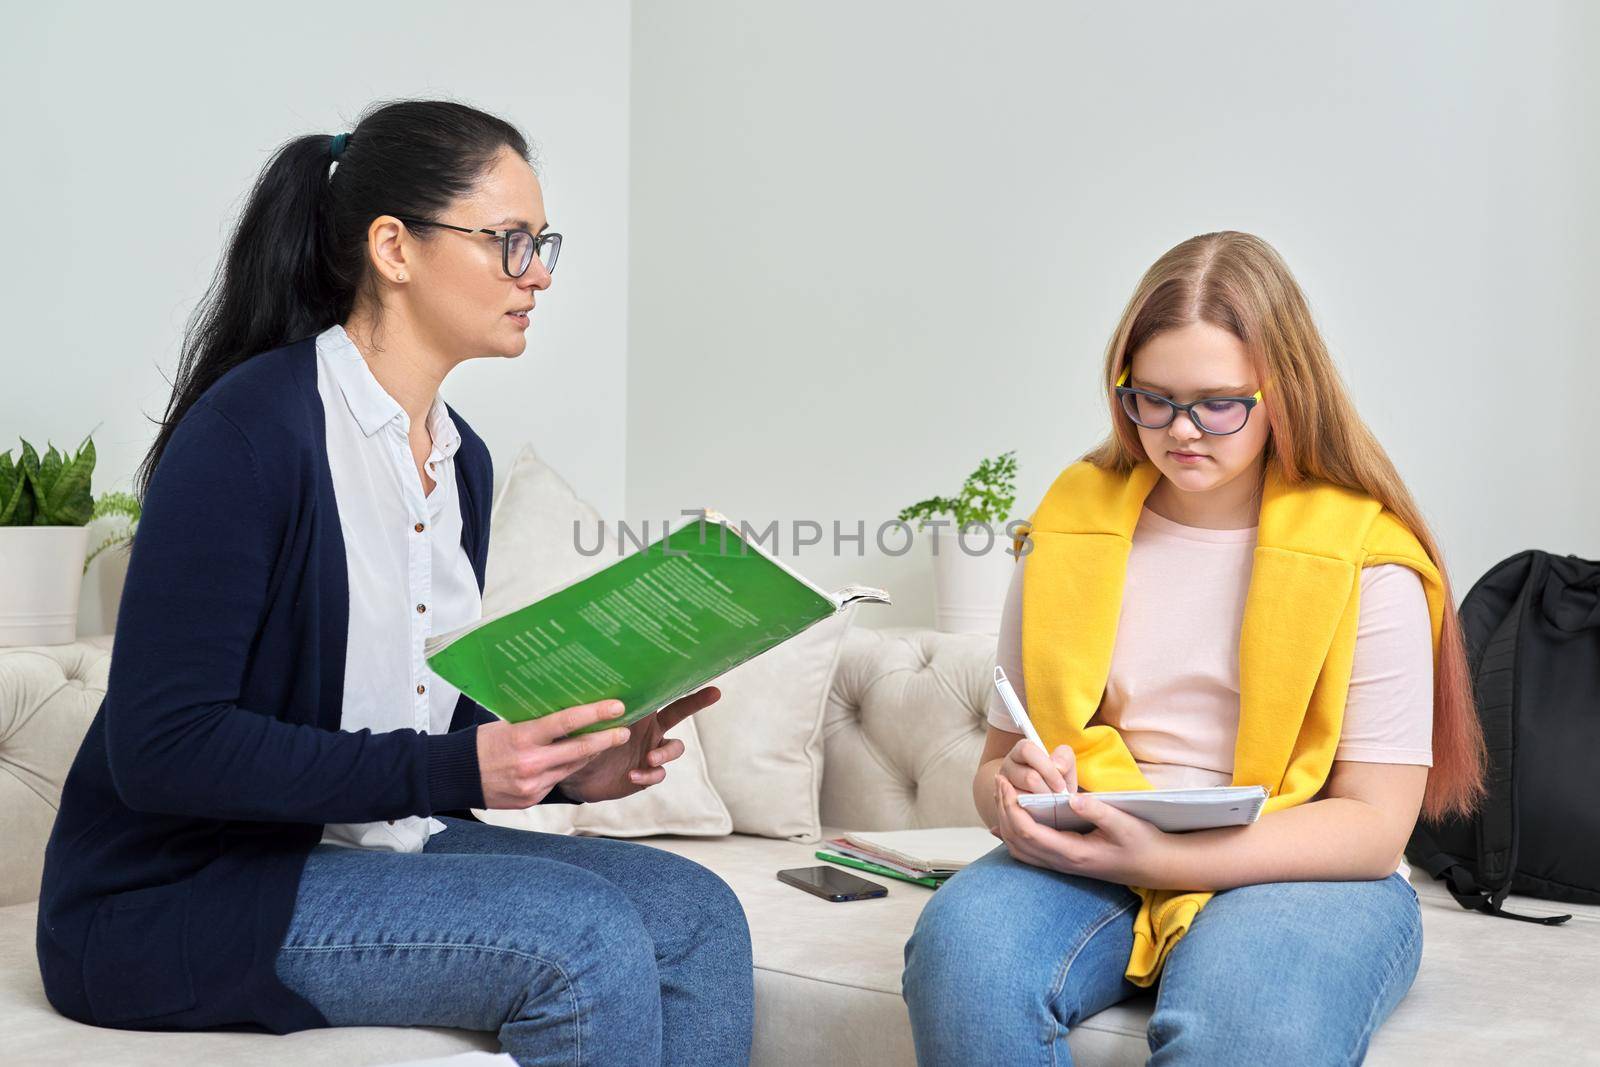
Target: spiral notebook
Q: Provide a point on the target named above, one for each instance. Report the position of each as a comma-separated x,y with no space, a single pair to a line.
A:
1172,810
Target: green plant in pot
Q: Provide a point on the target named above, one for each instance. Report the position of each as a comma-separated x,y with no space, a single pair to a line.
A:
45,509
970,573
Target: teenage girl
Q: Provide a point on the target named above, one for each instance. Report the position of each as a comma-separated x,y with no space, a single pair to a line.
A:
1239,543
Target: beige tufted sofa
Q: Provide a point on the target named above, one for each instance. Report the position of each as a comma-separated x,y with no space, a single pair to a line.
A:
903,732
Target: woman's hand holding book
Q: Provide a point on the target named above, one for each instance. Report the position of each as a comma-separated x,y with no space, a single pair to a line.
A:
641,760
520,762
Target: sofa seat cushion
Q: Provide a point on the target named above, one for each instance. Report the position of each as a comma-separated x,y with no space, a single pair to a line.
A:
37,1035
828,975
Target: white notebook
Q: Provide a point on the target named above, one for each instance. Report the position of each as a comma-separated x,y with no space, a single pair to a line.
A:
947,848
1172,810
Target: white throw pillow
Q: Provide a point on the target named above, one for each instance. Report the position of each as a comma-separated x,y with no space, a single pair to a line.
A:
532,547
532,551
763,739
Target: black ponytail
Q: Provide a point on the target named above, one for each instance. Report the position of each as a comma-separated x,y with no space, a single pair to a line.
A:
297,261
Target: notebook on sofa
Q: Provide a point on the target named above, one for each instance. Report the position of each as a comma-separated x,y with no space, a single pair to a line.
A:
936,851
1172,810
646,629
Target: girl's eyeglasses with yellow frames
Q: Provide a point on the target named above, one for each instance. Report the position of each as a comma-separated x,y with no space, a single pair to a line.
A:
1216,415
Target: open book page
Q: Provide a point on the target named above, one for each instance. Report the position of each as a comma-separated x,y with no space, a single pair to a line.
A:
650,628
862,594
1171,810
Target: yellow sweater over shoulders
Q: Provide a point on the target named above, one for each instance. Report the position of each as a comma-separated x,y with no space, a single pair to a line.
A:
1296,642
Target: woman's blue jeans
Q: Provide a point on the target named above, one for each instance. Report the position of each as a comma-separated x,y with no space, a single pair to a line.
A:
1008,957
575,950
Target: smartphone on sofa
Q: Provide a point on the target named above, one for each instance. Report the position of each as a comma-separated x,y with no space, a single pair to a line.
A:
830,883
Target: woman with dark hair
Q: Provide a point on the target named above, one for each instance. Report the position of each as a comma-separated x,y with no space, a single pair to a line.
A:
268,824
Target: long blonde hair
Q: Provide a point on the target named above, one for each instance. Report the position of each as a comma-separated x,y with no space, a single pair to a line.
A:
1239,283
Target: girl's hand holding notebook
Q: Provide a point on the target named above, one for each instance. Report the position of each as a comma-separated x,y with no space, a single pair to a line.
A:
1118,847
1045,785
1113,843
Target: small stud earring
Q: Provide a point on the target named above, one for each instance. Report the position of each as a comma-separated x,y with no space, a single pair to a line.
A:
400,277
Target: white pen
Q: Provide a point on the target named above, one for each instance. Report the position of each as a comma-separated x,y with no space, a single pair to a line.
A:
1019,714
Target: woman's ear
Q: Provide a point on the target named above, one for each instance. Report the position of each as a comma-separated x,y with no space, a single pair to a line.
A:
389,246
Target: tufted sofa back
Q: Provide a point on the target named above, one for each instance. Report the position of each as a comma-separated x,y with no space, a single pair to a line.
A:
903,731
48,697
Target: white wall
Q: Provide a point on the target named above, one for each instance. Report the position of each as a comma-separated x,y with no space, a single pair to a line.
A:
142,128
874,242
858,246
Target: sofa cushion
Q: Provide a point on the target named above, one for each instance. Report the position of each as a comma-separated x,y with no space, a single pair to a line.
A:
828,975
37,1035
48,697
763,739
535,528
878,772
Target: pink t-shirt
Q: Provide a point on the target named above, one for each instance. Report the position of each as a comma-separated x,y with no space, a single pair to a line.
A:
1173,690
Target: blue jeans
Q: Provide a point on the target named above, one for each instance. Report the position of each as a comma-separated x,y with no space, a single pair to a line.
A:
575,950
1008,957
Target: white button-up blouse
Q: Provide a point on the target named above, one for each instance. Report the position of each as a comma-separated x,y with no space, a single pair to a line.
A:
409,574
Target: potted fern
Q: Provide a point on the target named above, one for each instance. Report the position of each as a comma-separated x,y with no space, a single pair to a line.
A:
45,509
971,561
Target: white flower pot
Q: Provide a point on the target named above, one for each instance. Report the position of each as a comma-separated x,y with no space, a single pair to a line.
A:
970,576
41,573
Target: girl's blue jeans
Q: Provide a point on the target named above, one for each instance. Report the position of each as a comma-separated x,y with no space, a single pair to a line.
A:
1007,958
574,950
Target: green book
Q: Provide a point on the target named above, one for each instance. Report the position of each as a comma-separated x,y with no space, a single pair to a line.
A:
864,865
647,629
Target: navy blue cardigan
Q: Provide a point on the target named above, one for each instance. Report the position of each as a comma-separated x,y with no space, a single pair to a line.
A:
216,756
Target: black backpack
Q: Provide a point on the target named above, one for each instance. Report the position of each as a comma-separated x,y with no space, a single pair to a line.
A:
1532,630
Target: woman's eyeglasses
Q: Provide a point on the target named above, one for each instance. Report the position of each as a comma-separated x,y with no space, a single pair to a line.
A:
517,247
1216,415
